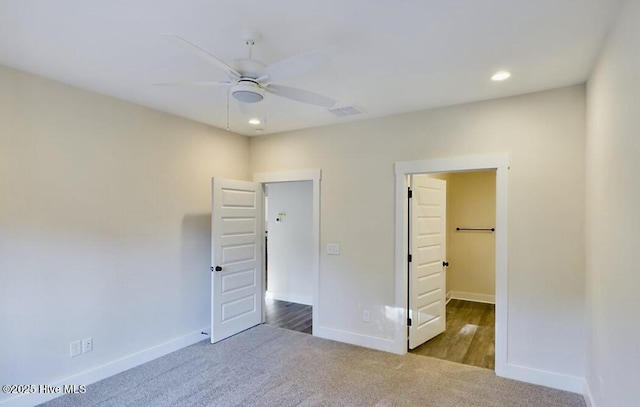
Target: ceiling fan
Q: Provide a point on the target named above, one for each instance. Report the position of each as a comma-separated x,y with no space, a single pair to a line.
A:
249,79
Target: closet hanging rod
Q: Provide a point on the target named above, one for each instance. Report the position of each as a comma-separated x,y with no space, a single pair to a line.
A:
480,229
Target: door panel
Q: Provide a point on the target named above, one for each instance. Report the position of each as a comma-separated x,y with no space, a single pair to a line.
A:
236,289
238,226
238,253
427,283
239,280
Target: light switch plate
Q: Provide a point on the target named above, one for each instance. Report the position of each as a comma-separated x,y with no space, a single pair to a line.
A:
333,248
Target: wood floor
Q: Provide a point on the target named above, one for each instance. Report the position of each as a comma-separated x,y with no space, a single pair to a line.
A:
288,315
469,337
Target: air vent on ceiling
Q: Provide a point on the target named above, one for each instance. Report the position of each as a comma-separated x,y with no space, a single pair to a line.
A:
345,111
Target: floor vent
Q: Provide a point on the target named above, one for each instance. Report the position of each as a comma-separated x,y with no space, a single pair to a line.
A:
345,111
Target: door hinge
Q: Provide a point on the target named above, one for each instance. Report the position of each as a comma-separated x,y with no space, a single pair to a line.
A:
408,321
410,193
410,258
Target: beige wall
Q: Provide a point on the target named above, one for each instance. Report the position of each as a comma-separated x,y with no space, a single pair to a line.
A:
471,202
613,216
544,136
104,226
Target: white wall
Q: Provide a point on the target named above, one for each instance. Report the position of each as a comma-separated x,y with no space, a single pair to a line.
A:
290,241
544,136
104,220
104,226
613,216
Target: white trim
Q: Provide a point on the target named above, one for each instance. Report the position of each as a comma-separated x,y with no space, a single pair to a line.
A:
546,378
110,368
499,162
455,164
314,175
461,295
288,176
385,345
448,296
298,299
588,396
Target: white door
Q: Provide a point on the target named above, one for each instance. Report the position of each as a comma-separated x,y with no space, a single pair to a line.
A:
236,257
427,282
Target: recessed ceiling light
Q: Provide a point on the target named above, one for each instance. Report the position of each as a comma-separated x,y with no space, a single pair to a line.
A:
254,121
500,76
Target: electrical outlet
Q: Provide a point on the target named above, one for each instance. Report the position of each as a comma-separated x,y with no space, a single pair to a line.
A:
333,248
366,316
75,348
87,345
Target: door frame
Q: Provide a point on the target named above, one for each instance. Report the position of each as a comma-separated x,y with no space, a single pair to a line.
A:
313,175
497,162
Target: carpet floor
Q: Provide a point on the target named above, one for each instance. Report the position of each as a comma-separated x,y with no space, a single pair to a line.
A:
269,366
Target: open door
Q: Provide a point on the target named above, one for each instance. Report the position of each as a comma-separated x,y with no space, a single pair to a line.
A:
236,257
427,282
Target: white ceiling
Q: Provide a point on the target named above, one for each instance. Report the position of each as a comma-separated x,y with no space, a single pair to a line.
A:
385,57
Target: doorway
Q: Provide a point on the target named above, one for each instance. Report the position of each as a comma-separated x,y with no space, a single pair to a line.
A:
238,274
468,271
497,162
312,178
288,254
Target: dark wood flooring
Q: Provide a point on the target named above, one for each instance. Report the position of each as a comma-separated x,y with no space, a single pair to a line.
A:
288,315
469,337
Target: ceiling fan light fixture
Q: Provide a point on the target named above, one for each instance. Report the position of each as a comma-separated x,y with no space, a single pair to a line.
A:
247,92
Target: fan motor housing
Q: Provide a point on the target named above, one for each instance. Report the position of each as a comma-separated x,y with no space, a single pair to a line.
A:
247,91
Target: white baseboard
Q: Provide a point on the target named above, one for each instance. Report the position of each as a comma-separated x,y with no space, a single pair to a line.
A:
461,295
588,397
111,368
385,345
447,297
554,380
298,299
544,378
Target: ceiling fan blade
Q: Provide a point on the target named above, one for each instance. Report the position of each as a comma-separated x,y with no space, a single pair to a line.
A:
300,95
294,65
207,56
194,83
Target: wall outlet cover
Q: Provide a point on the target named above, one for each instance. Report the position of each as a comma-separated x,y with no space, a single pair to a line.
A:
87,345
75,348
366,316
333,248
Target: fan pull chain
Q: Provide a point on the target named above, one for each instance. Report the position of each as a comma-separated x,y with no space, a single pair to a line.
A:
228,91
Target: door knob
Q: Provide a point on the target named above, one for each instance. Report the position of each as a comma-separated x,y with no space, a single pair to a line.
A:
445,264
218,268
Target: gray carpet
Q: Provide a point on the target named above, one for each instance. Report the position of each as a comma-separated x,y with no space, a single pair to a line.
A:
269,366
